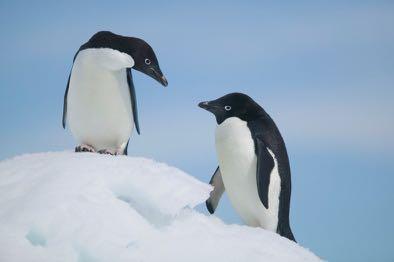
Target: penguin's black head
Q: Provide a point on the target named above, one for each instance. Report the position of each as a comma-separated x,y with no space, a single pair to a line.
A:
146,62
142,53
233,105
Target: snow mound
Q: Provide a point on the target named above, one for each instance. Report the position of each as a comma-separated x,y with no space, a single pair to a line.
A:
88,207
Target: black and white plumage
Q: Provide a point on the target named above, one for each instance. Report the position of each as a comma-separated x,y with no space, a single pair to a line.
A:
100,105
253,167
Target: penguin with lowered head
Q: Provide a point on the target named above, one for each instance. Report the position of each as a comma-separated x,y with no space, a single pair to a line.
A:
100,104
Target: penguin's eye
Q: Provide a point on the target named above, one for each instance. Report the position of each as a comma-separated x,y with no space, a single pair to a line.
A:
227,108
147,61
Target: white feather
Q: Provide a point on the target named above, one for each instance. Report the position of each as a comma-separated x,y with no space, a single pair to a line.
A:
98,106
237,162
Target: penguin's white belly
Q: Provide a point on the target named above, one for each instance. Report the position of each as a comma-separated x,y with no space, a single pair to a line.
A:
99,109
237,162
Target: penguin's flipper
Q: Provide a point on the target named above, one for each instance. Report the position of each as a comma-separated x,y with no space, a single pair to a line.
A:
218,189
133,99
265,164
65,103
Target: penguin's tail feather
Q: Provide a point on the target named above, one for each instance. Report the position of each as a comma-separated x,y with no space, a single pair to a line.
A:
285,231
125,149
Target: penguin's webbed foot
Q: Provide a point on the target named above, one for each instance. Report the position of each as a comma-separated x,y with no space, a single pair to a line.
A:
107,152
85,148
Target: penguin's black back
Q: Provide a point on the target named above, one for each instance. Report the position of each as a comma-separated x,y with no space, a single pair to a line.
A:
265,128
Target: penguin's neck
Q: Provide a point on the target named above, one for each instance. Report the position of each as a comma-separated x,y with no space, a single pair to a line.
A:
234,143
104,58
232,132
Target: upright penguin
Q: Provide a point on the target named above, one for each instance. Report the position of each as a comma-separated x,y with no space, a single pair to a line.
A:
100,102
253,164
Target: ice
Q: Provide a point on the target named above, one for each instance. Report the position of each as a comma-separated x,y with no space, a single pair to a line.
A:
66,206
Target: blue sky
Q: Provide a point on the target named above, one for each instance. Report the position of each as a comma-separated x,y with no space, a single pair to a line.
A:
323,70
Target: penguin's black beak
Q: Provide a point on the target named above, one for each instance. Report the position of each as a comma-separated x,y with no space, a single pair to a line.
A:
156,74
204,105
209,106
214,107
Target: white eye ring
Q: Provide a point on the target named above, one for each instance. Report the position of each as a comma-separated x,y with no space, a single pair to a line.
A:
227,108
147,61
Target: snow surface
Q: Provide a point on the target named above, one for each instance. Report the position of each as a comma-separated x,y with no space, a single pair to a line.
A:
85,207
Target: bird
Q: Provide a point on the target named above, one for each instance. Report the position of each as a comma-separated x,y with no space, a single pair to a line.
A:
254,166
100,104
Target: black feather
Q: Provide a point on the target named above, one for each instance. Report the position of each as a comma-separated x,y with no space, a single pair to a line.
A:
133,99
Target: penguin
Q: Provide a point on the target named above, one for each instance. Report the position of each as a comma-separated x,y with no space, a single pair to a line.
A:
254,167
100,104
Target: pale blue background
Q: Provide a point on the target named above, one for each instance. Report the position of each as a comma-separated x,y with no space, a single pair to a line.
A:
324,70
